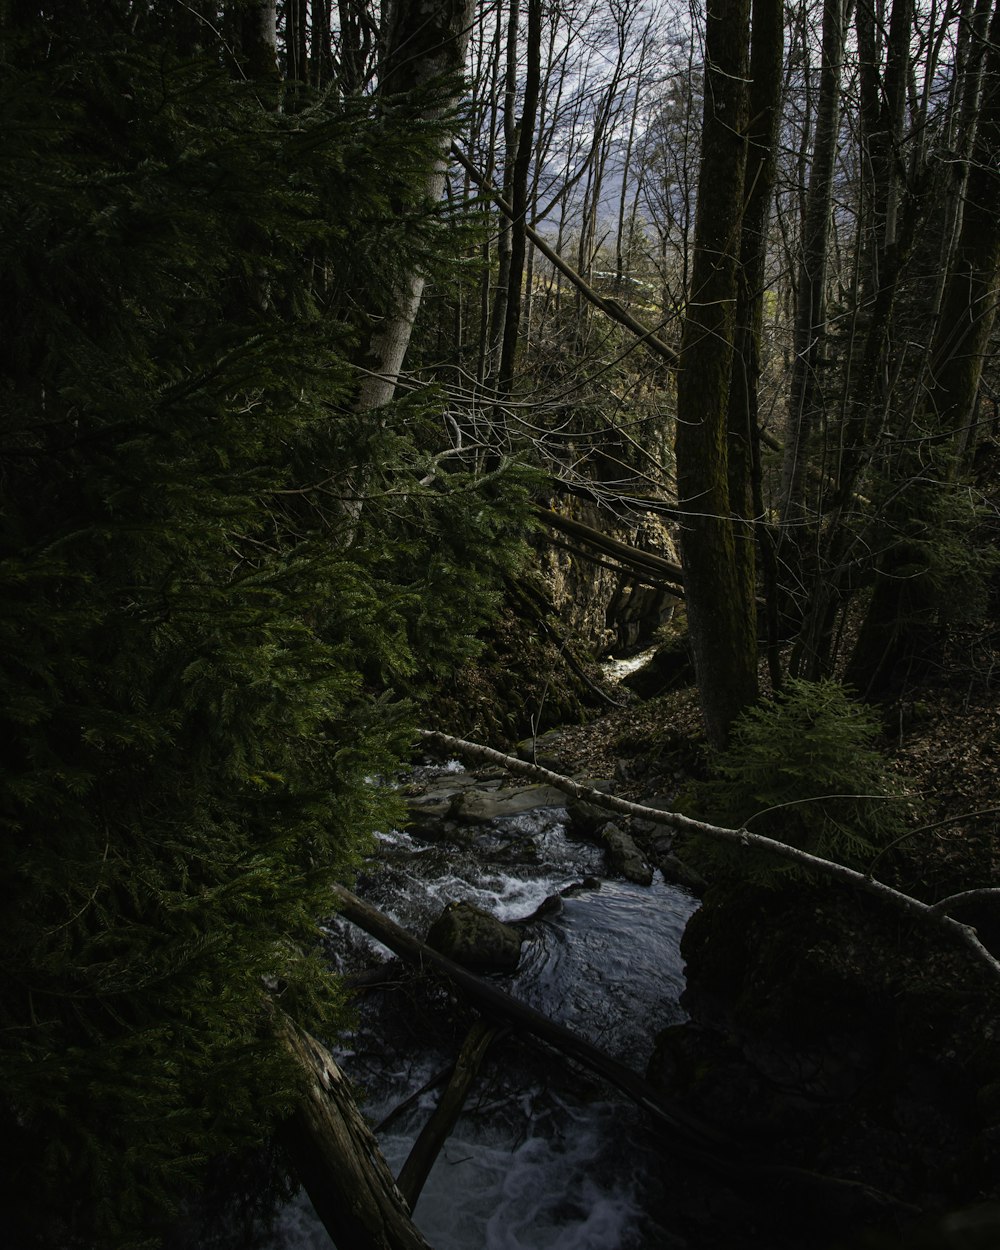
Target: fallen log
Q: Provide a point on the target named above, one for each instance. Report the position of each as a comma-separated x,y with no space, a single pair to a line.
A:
934,913
642,563
434,1134
696,1137
338,1160
691,1140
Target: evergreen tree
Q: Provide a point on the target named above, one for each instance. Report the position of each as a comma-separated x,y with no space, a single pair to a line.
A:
198,637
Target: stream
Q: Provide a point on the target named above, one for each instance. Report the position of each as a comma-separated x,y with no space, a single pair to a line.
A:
537,1160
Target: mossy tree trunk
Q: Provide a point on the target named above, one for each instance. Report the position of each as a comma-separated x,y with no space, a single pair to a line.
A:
901,616
719,585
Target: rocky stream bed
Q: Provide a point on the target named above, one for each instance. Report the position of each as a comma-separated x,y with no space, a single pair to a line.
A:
853,1058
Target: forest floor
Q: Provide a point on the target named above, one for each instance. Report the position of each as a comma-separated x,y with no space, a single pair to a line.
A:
943,740
820,971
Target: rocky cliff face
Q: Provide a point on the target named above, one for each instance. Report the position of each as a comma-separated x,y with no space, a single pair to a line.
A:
608,608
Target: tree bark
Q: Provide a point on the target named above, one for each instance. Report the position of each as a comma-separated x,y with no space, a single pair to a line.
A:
519,200
426,39
720,594
258,37
338,1160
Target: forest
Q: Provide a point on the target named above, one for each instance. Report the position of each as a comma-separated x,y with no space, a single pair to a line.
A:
373,375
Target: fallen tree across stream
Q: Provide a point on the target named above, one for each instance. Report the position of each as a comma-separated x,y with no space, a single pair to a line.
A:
338,1160
689,1139
706,1142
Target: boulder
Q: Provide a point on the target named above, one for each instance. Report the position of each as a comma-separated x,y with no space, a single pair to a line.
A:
624,856
430,804
543,750
653,829
669,668
475,939
480,807
678,873
586,820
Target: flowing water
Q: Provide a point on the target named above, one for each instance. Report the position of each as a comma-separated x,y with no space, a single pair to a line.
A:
544,1157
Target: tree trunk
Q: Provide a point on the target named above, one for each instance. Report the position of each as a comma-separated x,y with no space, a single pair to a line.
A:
901,614
720,595
414,1172
258,39
743,443
969,306
339,1162
426,39
519,200
810,312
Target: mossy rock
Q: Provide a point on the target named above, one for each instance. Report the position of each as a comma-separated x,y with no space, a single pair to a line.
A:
475,939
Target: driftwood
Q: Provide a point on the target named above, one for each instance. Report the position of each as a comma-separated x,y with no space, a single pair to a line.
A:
338,1160
434,1134
935,914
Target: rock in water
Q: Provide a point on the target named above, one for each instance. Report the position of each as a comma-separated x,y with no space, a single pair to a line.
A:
475,939
624,856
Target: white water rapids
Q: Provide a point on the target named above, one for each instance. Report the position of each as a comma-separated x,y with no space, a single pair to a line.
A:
544,1158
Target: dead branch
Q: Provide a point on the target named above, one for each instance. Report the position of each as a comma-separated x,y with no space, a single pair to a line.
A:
966,896
432,1137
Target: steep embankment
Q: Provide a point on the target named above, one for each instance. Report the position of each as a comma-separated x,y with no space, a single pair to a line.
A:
837,1035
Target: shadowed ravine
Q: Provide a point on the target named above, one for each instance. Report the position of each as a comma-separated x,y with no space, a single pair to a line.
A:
545,1156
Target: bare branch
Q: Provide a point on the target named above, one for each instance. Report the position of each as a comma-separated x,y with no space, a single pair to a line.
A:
610,307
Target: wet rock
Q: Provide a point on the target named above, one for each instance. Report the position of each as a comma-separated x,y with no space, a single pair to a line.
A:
428,805
679,873
669,669
550,906
426,813
475,939
586,820
578,887
482,807
624,856
545,750
652,828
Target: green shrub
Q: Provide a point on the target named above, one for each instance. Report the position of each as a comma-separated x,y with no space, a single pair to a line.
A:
803,770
